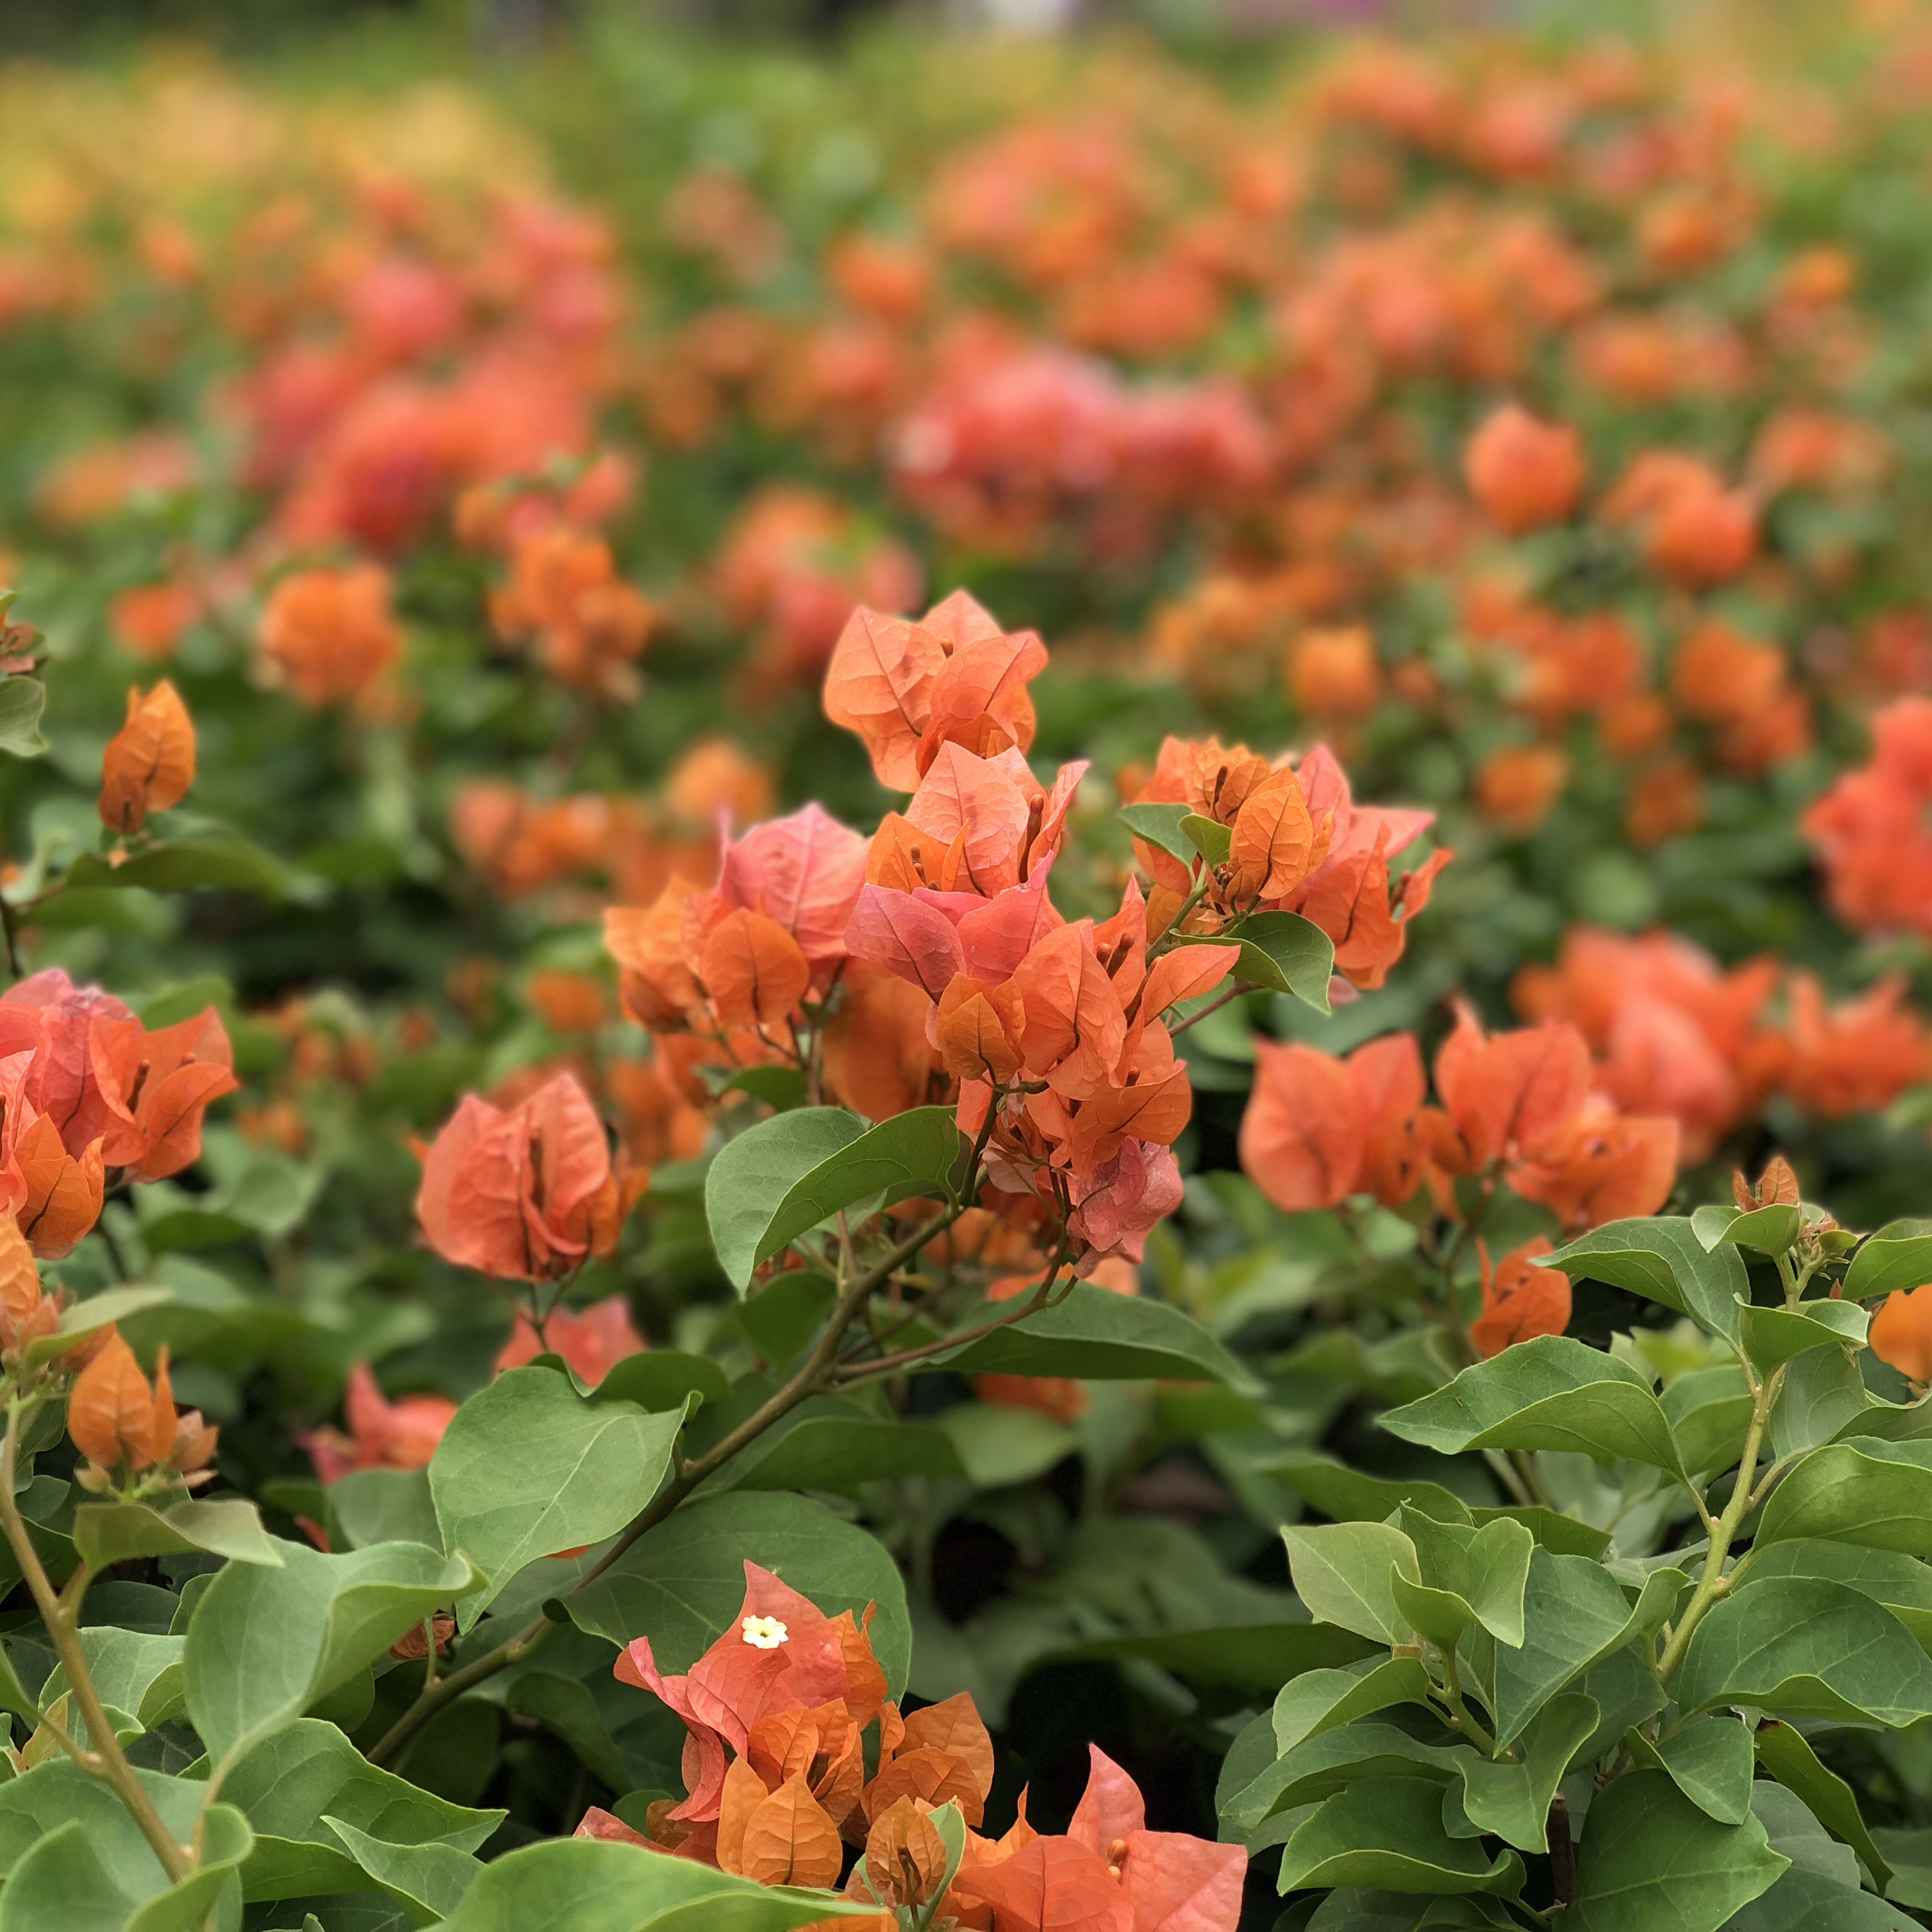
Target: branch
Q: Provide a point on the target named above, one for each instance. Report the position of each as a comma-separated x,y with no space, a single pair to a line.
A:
107,1761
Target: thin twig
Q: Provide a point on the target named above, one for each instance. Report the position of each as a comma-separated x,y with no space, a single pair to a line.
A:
110,1763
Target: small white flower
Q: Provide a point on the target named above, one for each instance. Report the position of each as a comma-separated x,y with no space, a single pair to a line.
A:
765,1632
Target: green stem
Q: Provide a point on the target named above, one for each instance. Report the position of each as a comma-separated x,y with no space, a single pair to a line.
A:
1466,1722
106,1761
1713,1583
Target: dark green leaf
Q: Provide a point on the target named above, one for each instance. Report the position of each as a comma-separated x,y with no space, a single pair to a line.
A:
1710,1413
1209,837
1771,1336
660,1380
1899,1255
1103,1336
783,1088
430,1879
264,1644
683,1583
89,1317
586,1884
1785,1753
1389,1831
914,1154
1805,1648
1160,826
1867,1491
371,1506
1510,1798
1708,1759
528,1467
753,1173
833,1443
1662,1258
1280,951
1651,1861
1552,1393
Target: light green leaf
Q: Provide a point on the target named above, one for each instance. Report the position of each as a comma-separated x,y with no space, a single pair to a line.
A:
1903,1584
1651,1861
231,1526
1343,1571
1102,1337
1708,1759
217,860
1321,1700
1899,1255
371,1506
921,1152
21,701
753,1172
1552,1393
1710,1412
998,1446
683,1583
1662,1258
1209,837
429,1879
528,1467
1466,1576
136,1671
87,1317
1388,1831
586,1884
263,1645
1805,1648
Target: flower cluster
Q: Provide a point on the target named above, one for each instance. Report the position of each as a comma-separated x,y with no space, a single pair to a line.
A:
785,1715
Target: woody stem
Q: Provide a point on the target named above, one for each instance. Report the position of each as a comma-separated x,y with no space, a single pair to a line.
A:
106,1761
1234,992
813,1375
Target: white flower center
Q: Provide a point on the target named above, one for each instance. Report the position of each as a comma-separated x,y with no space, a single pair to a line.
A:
765,1632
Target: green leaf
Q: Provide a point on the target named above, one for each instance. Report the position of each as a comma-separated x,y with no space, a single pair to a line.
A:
1101,1336
1651,1861
1867,1491
1511,1798
286,1785
753,1173
263,1645
1280,951
918,1152
1709,1411
1771,1230
1388,1831
1552,1393
783,1088
371,1506
833,1443
1209,837
89,1317
1805,1648
1160,826
1771,1336
1467,1576
21,701
1321,1700
528,1467
74,1859
1809,1901
586,1884
220,861
1899,1255
107,1533
1708,1759
1908,1852
429,1878
136,1671
1344,1572
1573,1614
1787,1755
661,1379
998,1447
683,1583
1662,1258
1903,1584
